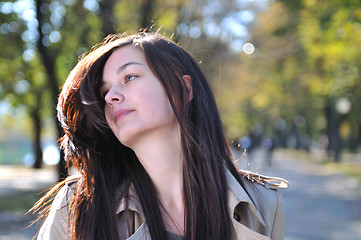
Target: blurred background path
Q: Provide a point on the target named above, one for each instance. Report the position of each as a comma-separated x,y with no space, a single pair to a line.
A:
320,204
19,189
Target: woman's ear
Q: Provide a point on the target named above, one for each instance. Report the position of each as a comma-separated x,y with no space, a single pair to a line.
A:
188,80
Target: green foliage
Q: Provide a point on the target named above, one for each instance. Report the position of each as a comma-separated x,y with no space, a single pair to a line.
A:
277,78
127,16
330,35
306,53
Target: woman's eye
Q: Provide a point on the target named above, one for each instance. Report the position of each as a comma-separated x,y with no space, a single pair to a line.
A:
129,78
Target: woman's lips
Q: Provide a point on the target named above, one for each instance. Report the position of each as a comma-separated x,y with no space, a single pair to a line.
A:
119,114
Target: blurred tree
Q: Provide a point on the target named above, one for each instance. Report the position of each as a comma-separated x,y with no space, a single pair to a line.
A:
279,97
48,57
107,15
262,95
307,58
330,33
146,10
36,58
61,20
21,80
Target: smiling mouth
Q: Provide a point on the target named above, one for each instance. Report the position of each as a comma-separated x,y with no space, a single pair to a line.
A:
118,115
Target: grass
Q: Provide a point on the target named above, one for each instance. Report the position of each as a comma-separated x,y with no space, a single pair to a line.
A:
351,169
19,201
350,164
14,222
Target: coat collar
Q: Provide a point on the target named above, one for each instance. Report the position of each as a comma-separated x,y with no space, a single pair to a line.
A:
236,195
132,204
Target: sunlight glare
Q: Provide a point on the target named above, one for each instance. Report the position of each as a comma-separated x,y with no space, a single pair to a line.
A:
248,48
28,54
51,155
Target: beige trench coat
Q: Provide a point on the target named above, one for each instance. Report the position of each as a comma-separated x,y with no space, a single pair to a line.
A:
257,216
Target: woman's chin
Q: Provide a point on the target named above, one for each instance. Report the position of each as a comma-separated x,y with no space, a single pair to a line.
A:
127,138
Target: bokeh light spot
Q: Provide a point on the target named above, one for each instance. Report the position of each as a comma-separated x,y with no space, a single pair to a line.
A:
248,48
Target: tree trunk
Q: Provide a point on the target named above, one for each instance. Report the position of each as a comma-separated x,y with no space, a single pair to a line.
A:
107,15
359,133
38,152
333,126
146,9
48,60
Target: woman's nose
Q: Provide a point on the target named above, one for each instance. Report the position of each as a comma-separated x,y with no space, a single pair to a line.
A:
114,96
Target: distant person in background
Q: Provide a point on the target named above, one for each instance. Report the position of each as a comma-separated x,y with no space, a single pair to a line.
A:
143,131
268,145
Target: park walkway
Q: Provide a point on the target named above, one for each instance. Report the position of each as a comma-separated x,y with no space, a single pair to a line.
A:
20,185
319,204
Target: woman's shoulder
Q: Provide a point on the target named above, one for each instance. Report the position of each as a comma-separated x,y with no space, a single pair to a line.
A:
264,190
255,185
55,226
256,202
267,182
65,193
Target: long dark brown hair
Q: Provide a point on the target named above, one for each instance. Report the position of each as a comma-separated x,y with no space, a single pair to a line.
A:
107,168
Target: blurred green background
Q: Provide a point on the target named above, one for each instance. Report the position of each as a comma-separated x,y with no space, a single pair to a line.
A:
288,71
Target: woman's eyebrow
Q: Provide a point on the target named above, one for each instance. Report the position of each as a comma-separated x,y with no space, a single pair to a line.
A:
121,69
125,65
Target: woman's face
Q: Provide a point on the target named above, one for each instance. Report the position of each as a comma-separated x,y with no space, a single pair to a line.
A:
136,106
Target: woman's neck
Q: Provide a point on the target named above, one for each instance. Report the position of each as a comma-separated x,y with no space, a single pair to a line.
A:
162,158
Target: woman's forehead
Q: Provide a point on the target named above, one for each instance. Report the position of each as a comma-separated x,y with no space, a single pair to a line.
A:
125,54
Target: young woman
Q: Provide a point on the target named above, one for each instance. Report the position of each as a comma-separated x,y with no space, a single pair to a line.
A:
143,131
